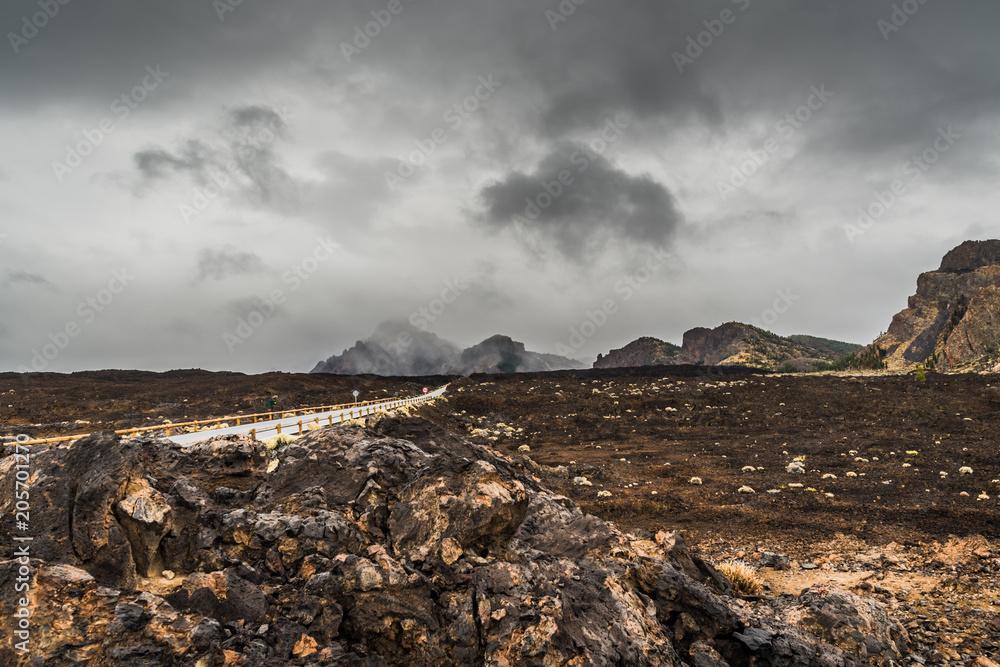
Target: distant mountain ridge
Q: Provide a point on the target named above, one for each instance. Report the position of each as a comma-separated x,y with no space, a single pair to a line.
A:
400,349
731,344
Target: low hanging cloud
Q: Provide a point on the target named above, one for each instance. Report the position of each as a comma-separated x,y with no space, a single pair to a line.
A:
222,263
243,152
577,200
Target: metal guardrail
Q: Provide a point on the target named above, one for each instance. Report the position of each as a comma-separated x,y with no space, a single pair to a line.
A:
364,408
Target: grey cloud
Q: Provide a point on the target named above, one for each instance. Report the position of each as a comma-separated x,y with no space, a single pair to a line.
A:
222,263
154,163
324,174
243,149
20,277
600,202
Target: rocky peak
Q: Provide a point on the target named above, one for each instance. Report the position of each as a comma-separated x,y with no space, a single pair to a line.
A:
972,255
953,320
645,351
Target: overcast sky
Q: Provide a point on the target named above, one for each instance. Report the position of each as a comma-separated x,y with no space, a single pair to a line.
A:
178,163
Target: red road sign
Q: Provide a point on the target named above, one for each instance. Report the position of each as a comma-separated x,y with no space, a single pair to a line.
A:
425,390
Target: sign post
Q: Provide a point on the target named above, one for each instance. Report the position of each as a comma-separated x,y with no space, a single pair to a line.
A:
356,396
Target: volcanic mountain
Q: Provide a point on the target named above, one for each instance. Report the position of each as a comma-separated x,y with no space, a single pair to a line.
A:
732,343
400,349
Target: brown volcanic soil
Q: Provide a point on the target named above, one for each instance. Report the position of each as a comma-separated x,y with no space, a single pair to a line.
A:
669,429
48,404
900,533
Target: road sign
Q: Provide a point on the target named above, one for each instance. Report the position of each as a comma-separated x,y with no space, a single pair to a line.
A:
356,392
425,390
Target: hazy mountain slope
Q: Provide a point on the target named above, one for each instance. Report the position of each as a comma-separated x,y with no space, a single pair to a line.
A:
398,348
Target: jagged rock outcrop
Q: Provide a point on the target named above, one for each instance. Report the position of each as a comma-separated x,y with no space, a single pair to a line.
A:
397,348
645,351
395,544
953,321
730,344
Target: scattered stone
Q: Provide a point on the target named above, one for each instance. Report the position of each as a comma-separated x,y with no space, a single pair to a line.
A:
773,560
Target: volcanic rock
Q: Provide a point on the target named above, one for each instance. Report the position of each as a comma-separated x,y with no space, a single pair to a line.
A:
398,544
953,321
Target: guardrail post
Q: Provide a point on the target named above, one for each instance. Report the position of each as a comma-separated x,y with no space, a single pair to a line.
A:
341,417
300,427
253,433
279,428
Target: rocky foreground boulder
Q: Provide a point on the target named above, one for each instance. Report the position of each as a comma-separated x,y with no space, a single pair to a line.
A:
394,544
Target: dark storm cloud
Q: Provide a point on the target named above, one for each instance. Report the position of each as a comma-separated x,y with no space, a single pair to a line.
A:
576,200
155,163
221,263
19,277
244,149
231,74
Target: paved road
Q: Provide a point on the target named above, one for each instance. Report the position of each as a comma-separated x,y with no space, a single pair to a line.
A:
290,425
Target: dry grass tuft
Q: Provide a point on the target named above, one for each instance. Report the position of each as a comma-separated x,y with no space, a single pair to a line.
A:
744,578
